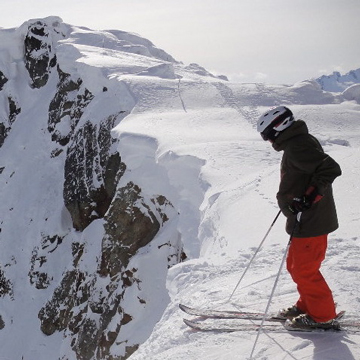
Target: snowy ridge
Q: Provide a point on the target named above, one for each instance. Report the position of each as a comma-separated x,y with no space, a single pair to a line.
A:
337,82
193,168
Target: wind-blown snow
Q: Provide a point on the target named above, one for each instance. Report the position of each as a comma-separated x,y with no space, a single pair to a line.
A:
190,137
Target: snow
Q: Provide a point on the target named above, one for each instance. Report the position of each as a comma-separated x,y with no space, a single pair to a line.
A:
337,82
192,138
352,93
238,180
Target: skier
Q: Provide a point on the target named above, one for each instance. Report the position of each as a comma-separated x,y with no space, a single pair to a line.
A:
305,187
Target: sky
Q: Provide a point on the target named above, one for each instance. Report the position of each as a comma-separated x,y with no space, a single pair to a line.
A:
277,41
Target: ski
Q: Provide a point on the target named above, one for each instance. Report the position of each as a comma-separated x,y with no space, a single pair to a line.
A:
226,314
244,315
348,327
214,327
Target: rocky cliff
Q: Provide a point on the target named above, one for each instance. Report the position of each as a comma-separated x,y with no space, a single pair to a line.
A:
70,257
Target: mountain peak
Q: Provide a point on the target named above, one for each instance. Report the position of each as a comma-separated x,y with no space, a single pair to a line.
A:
336,82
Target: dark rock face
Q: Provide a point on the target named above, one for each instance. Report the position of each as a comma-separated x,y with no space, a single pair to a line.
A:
13,110
6,289
81,305
128,228
3,80
5,285
67,107
58,313
91,173
39,53
37,276
5,127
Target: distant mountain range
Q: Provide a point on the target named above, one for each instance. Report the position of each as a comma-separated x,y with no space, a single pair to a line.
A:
337,82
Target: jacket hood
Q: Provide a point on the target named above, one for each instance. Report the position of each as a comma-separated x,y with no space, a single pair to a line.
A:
299,127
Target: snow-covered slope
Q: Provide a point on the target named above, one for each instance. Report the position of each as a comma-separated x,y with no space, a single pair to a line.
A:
239,180
102,236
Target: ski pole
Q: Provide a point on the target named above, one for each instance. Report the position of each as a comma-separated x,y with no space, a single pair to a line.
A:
257,250
275,284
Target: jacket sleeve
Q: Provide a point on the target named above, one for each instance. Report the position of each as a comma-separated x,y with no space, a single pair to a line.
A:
325,174
309,158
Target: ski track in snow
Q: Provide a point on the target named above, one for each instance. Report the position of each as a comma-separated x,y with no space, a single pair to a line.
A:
234,219
237,209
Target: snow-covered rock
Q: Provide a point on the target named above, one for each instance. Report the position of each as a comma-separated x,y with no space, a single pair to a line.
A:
336,82
66,111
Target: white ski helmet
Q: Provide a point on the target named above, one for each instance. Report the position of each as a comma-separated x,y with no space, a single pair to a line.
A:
274,121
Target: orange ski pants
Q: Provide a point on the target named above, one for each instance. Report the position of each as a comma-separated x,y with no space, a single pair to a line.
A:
303,263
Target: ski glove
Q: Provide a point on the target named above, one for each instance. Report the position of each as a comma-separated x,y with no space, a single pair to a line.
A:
305,202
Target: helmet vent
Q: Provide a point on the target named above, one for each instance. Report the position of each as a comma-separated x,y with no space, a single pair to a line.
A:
274,121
